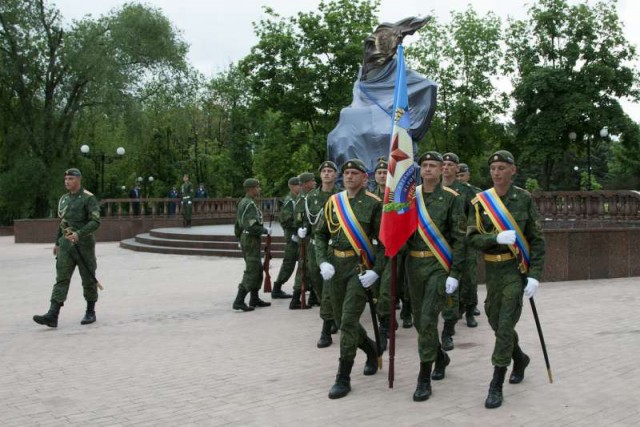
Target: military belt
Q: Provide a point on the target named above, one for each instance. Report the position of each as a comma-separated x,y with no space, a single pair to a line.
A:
421,254
344,254
499,257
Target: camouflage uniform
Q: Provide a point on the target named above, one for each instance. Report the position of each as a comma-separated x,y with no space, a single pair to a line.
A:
186,192
291,247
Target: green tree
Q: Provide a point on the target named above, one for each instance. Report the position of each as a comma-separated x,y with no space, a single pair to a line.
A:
571,65
49,75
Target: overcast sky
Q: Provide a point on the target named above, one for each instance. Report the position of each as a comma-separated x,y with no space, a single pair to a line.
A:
221,32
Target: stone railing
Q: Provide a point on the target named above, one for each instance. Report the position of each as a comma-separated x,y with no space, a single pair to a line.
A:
589,205
166,207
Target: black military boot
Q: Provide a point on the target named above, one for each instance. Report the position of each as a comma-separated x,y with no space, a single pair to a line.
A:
239,304
371,365
448,331
295,303
325,335
255,300
90,314
405,314
442,361
470,316
313,299
334,327
278,293
51,317
476,312
423,389
520,363
384,332
342,387
494,398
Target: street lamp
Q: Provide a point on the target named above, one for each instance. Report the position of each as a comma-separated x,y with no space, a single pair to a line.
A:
104,158
604,132
577,171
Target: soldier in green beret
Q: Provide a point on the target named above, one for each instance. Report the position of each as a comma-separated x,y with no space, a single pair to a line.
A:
186,193
451,313
313,209
380,175
291,247
434,266
464,173
79,213
250,226
351,260
514,252
308,183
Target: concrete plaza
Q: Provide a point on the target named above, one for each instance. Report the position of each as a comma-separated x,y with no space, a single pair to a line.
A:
167,349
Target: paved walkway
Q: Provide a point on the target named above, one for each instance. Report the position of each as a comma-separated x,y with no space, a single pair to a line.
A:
168,350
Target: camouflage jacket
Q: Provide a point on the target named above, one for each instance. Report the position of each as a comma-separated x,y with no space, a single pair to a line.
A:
80,212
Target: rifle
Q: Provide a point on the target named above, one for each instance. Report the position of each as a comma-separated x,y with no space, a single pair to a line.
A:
67,231
303,273
544,347
267,261
376,330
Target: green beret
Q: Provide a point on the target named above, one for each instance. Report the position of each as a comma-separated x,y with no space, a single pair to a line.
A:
328,164
451,157
463,167
354,164
294,181
251,183
72,172
306,177
502,156
430,155
382,164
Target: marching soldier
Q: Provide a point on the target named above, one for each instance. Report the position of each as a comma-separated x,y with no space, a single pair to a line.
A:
75,244
504,225
434,266
250,226
308,183
314,208
186,192
291,249
351,259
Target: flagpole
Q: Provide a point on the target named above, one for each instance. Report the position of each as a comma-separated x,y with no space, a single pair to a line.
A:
392,323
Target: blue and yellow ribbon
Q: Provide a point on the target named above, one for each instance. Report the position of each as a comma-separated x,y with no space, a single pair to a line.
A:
431,235
503,221
352,228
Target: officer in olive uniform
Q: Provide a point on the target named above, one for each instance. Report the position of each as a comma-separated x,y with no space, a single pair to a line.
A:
291,246
464,174
508,276
350,274
314,209
433,279
186,192
451,314
307,183
251,228
80,218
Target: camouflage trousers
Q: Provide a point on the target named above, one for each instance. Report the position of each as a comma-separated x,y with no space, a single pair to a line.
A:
313,280
252,276
66,262
427,289
291,255
468,280
348,300
505,288
402,287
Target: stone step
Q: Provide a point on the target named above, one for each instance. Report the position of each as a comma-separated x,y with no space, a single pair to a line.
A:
132,244
214,242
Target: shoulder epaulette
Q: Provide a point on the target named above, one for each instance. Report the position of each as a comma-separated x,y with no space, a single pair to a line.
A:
370,194
88,193
523,190
450,190
475,200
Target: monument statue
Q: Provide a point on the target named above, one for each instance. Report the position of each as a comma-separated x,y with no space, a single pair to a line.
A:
364,128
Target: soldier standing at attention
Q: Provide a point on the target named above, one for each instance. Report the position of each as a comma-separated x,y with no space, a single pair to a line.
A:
251,228
308,183
380,175
434,266
291,249
314,208
79,213
504,225
464,174
186,192
351,259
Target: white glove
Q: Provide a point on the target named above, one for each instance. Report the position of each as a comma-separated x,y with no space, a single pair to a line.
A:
295,238
302,232
327,270
451,285
269,230
532,286
506,237
368,278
